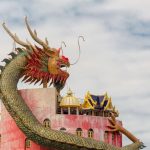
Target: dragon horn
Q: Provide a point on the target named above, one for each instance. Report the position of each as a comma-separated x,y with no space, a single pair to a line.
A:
34,36
15,37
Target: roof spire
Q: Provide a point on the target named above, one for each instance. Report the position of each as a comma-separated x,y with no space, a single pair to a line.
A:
69,92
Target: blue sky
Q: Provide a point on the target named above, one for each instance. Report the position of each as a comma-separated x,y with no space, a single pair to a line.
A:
114,58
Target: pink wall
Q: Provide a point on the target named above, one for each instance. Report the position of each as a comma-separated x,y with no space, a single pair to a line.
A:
98,124
42,102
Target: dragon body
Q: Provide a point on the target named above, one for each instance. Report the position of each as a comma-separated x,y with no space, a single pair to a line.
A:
41,65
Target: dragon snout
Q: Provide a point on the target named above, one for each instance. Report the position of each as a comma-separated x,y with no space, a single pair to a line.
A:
65,62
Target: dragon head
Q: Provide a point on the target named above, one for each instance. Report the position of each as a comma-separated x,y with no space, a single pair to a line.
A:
44,64
56,63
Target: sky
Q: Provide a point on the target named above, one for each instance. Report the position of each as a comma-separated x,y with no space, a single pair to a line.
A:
115,57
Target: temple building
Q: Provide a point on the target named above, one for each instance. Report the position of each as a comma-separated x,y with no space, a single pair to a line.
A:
87,118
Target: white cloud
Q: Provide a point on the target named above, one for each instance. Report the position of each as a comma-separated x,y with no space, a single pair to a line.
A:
114,58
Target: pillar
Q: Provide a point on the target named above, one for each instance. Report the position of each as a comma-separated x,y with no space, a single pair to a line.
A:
77,111
69,110
61,110
92,112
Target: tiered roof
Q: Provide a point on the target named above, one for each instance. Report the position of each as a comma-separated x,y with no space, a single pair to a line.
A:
100,102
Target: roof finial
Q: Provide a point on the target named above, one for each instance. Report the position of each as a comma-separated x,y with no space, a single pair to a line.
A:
69,92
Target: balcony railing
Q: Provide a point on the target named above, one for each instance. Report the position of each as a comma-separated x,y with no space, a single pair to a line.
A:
88,112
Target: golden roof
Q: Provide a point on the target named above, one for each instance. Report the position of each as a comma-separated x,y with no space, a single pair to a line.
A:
69,100
90,103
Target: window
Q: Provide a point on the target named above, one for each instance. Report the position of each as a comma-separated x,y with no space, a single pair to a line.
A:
113,138
46,123
90,133
79,132
63,129
27,143
118,139
106,136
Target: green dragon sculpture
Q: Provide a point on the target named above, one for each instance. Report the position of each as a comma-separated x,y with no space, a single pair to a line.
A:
44,65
